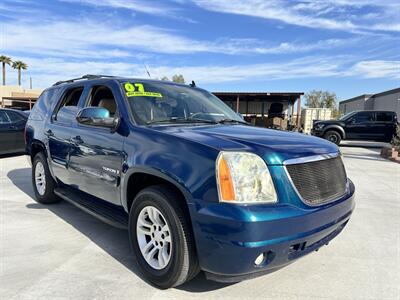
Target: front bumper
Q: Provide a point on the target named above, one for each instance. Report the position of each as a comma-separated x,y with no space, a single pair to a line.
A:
318,133
230,237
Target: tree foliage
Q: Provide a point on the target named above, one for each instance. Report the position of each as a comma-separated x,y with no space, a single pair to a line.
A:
321,99
178,78
396,137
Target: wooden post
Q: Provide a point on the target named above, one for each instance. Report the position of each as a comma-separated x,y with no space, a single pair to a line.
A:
262,110
30,103
298,111
292,113
237,104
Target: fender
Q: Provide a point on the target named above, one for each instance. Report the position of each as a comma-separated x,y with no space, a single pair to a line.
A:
154,172
337,127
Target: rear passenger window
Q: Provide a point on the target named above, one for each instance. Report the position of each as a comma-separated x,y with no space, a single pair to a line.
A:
384,117
14,117
3,117
43,105
68,106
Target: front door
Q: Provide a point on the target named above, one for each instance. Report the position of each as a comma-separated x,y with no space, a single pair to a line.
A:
97,153
17,128
360,126
6,134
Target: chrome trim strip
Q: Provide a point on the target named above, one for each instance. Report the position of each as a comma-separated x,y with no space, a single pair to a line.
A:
306,159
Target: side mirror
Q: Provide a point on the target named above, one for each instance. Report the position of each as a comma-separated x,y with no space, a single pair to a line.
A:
351,121
96,116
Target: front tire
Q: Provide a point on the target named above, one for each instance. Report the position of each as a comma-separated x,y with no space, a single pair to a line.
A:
161,238
333,136
42,181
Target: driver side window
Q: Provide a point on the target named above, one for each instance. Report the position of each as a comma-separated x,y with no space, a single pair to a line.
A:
102,96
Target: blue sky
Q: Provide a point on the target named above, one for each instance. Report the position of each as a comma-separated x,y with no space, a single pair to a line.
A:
349,47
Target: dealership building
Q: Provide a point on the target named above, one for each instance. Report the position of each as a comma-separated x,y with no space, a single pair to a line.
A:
387,100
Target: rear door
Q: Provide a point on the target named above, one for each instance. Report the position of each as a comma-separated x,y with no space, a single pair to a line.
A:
58,132
96,152
360,126
385,125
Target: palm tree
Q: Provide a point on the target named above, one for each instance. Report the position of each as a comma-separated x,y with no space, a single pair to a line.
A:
5,60
19,65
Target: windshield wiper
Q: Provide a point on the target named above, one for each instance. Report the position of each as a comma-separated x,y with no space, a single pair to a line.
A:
225,121
194,120
179,120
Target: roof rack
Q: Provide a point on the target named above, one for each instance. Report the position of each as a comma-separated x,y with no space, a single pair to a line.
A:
87,76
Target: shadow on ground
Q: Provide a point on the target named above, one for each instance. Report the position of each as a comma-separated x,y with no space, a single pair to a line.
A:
112,240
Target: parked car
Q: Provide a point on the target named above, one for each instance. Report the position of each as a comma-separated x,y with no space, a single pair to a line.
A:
358,125
12,126
196,186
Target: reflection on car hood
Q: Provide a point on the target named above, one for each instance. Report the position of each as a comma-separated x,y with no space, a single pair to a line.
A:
274,146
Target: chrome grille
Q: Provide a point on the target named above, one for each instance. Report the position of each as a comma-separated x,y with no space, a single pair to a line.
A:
319,182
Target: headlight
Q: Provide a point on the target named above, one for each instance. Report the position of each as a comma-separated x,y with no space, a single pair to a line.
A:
244,178
319,126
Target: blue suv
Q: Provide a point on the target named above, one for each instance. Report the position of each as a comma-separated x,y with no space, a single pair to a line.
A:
196,186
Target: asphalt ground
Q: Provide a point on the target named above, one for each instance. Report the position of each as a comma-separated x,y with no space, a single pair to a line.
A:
60,252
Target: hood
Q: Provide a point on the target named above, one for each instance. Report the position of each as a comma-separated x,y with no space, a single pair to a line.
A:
274,146
330,122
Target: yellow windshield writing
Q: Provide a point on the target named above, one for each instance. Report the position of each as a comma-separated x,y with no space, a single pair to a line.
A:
137,90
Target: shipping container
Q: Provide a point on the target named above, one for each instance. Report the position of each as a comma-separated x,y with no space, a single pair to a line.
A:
309,115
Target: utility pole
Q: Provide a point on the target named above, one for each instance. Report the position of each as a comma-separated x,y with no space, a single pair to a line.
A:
30,82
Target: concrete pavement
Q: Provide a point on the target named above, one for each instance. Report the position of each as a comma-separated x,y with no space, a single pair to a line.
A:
60,252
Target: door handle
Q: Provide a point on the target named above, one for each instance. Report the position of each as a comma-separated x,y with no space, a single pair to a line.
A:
48,132
77,140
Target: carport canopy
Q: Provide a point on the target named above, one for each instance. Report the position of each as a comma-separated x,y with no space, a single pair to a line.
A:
241,101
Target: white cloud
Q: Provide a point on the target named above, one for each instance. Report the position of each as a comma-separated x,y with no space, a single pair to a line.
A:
143,6
87,39
329,14
47,71
376,69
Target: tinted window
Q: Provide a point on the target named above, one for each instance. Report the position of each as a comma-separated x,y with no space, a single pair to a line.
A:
384,117
364,117
3,117
67,109
43,105
15,117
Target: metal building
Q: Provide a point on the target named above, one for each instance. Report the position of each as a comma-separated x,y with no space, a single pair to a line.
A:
387,100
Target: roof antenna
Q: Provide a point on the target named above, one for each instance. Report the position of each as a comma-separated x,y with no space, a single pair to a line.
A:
193,84
147,70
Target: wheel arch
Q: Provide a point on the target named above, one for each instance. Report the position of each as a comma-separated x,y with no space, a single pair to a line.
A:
336,128
36,147
138,178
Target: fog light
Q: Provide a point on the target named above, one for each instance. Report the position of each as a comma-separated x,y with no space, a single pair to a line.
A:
260,259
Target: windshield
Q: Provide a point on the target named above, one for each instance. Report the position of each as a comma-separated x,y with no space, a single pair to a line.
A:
346,116
157,102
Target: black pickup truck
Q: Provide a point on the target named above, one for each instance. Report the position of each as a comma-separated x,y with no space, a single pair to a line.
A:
358,125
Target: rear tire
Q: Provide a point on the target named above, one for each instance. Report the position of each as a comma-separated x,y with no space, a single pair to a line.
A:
333,136
161,238
42,181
